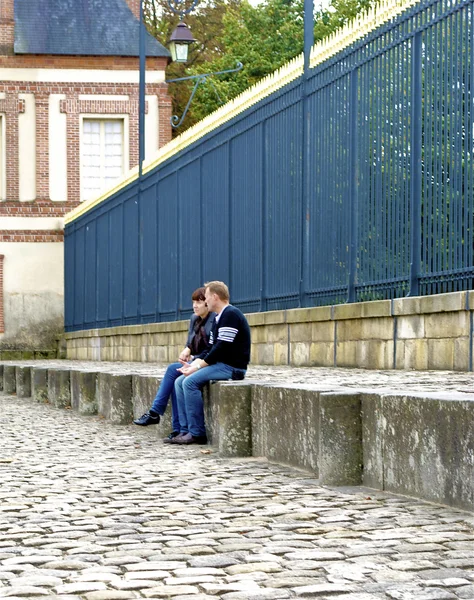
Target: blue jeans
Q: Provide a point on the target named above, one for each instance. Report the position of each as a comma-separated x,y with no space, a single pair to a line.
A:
189,395
164,392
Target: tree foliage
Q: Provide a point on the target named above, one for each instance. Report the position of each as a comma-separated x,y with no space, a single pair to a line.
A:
262,38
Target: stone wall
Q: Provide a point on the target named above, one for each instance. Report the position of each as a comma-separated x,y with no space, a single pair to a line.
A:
426,332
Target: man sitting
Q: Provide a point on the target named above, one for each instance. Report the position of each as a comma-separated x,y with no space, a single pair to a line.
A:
227,358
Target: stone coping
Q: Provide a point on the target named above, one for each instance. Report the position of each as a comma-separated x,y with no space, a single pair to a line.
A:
449,302
455,384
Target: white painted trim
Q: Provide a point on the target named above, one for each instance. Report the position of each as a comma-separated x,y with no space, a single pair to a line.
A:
32,223
79,75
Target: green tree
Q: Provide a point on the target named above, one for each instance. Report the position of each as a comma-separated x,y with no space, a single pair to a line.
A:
262,38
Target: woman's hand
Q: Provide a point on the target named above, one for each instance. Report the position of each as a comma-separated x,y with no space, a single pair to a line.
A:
184,356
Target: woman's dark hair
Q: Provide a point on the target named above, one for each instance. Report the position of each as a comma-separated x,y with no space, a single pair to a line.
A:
199,294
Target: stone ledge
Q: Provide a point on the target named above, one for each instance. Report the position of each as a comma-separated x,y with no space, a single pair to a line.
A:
416,443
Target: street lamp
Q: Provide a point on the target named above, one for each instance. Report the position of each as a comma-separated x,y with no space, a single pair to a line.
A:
179,43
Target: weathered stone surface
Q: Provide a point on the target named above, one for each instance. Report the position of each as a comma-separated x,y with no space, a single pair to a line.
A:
90,510
39,384
229,418
286,425
340,445
115,398
84,392
59,389
23,381
9,379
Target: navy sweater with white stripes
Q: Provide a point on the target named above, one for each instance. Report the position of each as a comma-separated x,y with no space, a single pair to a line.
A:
229,340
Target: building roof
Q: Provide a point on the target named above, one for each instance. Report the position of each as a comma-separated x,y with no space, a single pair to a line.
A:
79,27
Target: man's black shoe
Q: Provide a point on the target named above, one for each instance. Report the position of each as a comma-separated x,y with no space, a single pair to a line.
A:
185,440
147,419
168,439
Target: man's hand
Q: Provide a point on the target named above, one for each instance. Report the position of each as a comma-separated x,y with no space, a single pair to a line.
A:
189,369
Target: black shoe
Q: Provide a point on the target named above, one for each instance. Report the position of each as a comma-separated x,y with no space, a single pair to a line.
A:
185,440
147,419
171,436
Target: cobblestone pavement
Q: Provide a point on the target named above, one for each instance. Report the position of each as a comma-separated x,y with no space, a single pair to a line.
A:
329,378
101,512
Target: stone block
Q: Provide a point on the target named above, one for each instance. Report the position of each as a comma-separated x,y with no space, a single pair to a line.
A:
323,331
39,384
447,325
441,354
285,425
229,421
144,390
453,301
300,354
410,327
461,354
277,333
375,354
59,388
115,398
23,382
428,447
274,317
262,354
376,308
413,353
309,315
349,330
9,379
340,439
255,319
406,306
300,332
280,354
346,354
372,440
347,311
377,328
84,392
259,335
321,354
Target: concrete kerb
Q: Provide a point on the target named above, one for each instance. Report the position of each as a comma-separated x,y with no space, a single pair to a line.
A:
420,445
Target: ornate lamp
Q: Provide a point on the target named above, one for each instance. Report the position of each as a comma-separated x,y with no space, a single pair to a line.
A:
179,43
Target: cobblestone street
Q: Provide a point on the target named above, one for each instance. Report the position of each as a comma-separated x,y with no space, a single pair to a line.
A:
102,512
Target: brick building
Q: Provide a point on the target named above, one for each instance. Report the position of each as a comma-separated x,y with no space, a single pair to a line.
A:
68,130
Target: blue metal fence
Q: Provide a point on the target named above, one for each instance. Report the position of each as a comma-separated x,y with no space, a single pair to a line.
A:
354,182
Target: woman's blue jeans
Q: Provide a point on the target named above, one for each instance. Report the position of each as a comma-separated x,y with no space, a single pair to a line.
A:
189,395
164,392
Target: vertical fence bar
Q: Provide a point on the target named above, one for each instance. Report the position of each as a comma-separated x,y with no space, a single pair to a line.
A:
415,169
353,190
306,154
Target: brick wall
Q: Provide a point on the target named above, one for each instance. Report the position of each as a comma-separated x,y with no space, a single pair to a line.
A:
7,27
11,106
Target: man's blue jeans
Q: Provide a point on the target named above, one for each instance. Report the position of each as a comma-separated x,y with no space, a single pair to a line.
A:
189,395
164,392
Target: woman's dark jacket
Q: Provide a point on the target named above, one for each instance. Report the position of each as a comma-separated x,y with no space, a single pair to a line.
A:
194,327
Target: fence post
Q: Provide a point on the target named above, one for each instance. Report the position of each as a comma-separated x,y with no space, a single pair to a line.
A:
306,143
354,188
415,165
